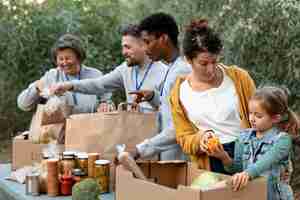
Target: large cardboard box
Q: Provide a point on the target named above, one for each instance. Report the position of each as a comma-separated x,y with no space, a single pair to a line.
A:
171,181
25,152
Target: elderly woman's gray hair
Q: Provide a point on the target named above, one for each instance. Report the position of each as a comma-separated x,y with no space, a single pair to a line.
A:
68,41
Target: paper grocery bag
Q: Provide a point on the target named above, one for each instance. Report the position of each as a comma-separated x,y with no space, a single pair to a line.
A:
101,132
56,116
44,128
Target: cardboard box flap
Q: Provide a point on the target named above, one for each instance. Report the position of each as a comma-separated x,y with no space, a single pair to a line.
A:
126,188
187,193
254,187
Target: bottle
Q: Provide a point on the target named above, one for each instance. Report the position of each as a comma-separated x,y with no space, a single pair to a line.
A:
66,183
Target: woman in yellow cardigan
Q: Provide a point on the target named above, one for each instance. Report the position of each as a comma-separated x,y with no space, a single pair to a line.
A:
212,98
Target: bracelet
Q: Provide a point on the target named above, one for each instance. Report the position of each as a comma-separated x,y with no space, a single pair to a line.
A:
151,97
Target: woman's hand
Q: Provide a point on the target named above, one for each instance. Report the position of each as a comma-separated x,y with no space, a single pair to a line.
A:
204,140
217,152
39,85
239,180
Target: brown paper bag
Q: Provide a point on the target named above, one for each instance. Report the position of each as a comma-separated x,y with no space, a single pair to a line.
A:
58,116
41,133
101,132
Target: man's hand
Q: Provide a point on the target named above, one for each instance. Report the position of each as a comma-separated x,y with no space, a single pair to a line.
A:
239,180
60,88
142,95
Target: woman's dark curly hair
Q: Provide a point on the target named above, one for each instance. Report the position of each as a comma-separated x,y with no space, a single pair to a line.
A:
199,37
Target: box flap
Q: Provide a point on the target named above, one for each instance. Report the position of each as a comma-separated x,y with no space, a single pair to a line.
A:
250,192
187,193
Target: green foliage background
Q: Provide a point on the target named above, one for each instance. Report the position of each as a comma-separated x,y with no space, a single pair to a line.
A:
262,36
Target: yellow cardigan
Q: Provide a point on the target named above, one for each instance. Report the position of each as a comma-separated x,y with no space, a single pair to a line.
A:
187,134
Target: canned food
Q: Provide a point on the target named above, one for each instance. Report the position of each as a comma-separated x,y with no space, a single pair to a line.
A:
67,162
82,162
32,184
101,173
78,175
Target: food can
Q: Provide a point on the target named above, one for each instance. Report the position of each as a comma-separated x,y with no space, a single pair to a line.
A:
101,173
32,184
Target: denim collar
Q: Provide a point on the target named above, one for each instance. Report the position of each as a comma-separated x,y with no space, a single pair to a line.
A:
268,136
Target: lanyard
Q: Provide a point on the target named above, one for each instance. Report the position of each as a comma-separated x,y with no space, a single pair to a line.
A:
139,85
165,78
73,93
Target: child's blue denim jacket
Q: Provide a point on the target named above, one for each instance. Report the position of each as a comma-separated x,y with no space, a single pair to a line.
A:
268,156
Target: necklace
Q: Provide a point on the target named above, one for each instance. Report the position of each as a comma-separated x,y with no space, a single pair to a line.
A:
199,85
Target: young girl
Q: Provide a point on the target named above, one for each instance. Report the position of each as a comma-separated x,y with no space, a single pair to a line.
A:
264,150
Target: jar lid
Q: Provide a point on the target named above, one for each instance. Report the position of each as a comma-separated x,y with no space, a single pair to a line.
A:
68,157
69,153
46,156
82,155
78,172
102,162
33,174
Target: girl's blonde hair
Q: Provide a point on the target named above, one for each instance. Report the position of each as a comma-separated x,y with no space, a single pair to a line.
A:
275,101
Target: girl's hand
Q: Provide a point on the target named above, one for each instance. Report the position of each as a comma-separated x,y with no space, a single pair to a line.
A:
239,180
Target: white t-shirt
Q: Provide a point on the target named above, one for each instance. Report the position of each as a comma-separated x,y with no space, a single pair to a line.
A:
215,108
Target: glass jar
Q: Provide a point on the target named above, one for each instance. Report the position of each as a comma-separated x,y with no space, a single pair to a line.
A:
82,162
68,162
78,175
101,173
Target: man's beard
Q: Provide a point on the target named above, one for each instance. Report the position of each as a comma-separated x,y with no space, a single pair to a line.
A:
131,63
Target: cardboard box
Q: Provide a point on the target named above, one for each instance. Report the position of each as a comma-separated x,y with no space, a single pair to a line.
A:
25,152
172,180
